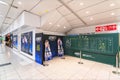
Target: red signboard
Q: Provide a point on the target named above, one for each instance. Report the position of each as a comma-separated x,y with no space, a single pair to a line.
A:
106,28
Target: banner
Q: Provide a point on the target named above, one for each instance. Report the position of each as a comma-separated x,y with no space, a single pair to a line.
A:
39,48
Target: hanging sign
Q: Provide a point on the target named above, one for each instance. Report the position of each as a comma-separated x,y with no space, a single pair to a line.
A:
111,27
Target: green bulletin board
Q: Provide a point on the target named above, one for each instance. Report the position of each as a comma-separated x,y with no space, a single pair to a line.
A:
100,46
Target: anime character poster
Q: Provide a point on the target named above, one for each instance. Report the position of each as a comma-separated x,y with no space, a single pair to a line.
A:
26,42
48,54
60,47
15,41
30,43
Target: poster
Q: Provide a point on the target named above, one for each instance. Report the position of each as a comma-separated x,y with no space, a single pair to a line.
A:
26,42
39,48
15,41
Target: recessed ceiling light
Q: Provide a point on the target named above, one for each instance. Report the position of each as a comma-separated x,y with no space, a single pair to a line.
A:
50,23
4,3
91,18
81,3
112,4
112,13
19,2
87,12
64,27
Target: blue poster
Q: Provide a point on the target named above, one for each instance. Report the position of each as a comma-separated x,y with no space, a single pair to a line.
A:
39,48
26,42
15,41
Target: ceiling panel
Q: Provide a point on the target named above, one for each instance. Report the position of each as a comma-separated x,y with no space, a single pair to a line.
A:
14,12
7,1
9,21
3,12
112,13
63,24
100,8
76,21
81,4
104,20
67,1
25,4
50,19
4,26
63,10
45,6
70,17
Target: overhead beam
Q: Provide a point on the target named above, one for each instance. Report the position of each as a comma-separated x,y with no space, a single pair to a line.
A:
73,12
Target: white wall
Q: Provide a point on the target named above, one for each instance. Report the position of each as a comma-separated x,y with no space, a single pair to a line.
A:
91,29
31,19
48,32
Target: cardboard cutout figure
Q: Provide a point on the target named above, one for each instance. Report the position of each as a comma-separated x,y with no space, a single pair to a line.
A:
60,47
48,54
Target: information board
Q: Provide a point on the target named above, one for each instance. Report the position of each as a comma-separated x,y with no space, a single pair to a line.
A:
94,43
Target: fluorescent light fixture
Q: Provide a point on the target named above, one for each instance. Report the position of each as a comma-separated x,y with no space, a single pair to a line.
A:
112,13
4,3
81,3
112,4
19,2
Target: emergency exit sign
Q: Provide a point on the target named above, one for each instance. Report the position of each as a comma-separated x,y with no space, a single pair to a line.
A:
111,27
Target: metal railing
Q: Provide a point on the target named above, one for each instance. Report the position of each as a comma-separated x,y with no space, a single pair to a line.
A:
117,65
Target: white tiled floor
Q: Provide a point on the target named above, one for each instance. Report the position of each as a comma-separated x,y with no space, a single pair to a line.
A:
23,68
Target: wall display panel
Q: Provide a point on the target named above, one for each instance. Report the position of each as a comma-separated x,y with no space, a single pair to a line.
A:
27,42
9,40
94,46
53,46
39,48
15,41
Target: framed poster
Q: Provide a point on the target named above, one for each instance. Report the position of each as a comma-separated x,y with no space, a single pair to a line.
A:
27,43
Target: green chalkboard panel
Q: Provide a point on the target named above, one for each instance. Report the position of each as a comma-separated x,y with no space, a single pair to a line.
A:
103,47
96,43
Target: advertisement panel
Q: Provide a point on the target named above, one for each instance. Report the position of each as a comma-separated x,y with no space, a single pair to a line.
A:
39,48
15,41
26,42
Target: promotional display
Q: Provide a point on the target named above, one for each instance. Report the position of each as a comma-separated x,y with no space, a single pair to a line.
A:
48,54
98,47
60,47
26,42
15,41
9,40
53,46
39,48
